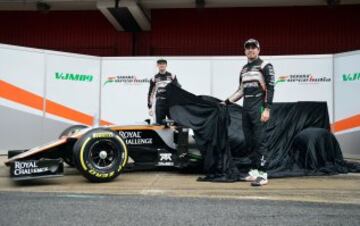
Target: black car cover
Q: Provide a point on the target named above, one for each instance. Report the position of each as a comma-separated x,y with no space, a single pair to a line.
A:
298,136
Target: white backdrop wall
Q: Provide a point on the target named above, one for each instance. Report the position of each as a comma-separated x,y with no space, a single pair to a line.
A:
225,75
298,78
21,69
46,91
125,84
73,81
347,84
347,102
116,88
72,90
304,78
216,76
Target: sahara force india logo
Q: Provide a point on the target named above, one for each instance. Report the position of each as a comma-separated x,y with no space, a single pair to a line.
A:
73,77
127,80
303,79
351,77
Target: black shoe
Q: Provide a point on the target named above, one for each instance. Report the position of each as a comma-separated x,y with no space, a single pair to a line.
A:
224,179
207,178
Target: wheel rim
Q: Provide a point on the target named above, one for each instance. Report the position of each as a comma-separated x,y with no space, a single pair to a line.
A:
103,154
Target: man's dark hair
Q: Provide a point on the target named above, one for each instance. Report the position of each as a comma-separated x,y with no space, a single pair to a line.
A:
161,61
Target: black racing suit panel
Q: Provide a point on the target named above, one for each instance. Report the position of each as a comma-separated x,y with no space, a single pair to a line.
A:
256,85
157,95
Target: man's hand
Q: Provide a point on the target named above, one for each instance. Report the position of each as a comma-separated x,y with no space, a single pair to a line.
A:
265,116
151,112
225,102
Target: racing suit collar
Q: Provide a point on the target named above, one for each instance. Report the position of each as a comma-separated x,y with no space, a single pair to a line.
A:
253,61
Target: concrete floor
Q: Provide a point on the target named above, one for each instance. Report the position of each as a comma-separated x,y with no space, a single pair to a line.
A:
24,208
328,189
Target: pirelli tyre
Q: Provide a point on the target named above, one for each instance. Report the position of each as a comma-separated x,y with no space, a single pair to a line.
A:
68,150
100,155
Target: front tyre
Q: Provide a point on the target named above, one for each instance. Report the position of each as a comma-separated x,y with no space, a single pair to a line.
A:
100,155
68,149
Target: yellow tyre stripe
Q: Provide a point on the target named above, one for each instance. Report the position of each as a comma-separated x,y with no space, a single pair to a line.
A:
82,153
85,143
125,150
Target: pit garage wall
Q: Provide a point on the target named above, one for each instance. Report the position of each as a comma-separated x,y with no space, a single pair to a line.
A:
37,100
347,103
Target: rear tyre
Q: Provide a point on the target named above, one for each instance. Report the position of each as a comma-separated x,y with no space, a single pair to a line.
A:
100,155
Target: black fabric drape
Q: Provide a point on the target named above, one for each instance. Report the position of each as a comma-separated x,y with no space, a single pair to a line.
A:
290,133
315,151
210,122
